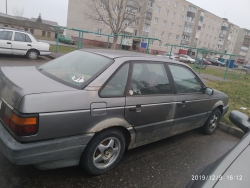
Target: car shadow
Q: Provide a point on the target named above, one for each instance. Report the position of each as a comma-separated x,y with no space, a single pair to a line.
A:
23,57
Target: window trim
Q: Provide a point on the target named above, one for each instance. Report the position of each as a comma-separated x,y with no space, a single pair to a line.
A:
191,70
172,88
25,37
114,73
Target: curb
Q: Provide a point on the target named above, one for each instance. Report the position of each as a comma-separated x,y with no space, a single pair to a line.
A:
51,56
231,130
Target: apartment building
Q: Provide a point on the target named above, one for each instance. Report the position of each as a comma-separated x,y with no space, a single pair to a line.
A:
172,21
78,17
242,46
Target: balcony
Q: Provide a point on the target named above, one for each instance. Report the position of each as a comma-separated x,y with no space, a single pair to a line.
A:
244,48
222,35
189,23
187,33
133,3
197,36
221,43
184,42
243,54
129,30
246,42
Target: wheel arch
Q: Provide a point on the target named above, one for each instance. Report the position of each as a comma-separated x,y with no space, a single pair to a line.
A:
33,49
117,123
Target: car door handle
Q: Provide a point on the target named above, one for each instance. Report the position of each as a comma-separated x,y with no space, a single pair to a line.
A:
137,108
8,42
182,104
28,44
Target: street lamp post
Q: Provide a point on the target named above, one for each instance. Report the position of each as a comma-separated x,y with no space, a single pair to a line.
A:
6,7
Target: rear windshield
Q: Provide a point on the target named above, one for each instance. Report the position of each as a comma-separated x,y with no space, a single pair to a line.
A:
76,69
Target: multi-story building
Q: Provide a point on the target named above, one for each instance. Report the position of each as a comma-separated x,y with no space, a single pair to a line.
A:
172,21
242,46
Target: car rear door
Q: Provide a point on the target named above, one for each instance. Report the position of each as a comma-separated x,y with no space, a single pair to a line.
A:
192,104
149,101
5,42
21,44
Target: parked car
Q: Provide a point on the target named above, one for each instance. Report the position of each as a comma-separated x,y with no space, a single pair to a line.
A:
232,169
66,39
186,59
19,42
246,67
202,64
217,62
86,107
172,56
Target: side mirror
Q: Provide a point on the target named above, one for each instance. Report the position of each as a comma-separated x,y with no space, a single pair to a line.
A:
209,91
240,120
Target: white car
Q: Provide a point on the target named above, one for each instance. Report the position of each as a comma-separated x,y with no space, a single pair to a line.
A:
186,59
172,56
19,42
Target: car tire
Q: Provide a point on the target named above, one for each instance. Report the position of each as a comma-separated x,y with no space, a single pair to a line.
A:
212,122
32,54
103,152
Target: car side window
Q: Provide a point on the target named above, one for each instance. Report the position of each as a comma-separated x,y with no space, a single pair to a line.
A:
117,84
6,35
21,37
185,80
149,79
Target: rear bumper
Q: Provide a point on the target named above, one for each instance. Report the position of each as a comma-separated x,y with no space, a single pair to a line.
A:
44,154
225,109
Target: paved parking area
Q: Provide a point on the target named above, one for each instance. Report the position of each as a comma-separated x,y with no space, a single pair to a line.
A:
166,163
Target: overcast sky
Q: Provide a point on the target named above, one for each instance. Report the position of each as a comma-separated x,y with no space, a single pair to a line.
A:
237,11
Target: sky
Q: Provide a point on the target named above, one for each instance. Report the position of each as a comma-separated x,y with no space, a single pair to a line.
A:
237,11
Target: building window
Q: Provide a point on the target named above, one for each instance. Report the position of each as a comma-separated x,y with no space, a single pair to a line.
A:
181,18
162,34
99,31
25,29
164,23
146,27
103,5
114,21
179,28
43,33
148,15
156,20
169,1
160,43
204,26
205,44
150,3
171,25
48,34
175,4
183,8
158,9
214,38
173,15
177,37
169,35
167,11
32,31
100,18
154,32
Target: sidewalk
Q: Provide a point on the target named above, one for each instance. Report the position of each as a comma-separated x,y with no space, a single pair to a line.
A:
55,55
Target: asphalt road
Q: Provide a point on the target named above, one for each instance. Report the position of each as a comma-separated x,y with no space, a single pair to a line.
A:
166,163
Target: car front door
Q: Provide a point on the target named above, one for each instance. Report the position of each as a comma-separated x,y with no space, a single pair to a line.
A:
21,44
5,42
149,101
193,104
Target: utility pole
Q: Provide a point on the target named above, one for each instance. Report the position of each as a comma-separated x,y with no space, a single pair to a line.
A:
6,7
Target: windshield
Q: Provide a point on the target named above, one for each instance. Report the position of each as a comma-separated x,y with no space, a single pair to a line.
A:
76,68
68,37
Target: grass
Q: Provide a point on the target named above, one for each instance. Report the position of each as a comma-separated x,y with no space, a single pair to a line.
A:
62,49
238,89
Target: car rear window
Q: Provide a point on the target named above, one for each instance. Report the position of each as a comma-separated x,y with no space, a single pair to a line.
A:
76,69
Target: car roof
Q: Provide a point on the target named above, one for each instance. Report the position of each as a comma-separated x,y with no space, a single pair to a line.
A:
14,29
113,54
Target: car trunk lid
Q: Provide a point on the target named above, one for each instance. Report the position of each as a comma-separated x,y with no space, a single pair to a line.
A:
16,82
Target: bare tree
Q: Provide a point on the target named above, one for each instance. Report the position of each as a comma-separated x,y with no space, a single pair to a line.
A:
117,15
18,13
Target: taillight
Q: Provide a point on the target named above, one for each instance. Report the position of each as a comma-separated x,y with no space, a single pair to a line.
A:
21,124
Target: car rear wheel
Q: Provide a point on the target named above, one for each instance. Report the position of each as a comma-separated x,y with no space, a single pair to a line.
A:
32,54
103,152
212,122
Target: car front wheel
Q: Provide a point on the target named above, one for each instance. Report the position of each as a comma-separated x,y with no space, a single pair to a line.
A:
103,152
212,122
32,54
